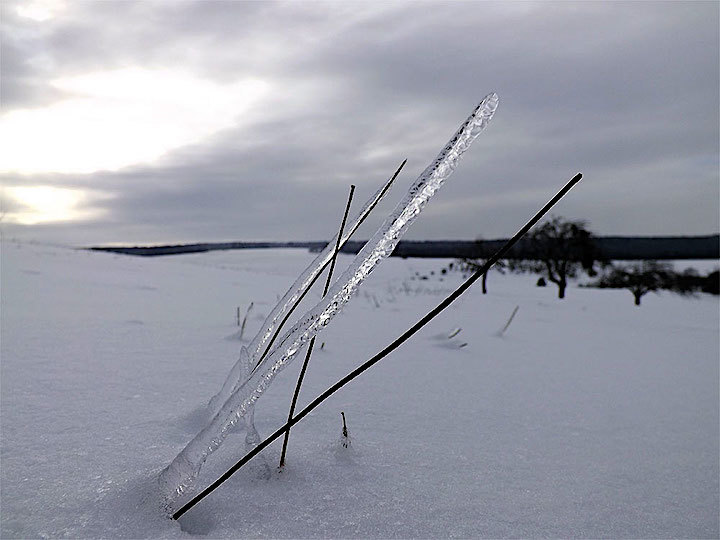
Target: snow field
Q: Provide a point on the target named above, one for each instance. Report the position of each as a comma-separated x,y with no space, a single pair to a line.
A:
590,417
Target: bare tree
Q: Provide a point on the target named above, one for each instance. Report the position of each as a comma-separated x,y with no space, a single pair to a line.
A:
639,278
483,254
643,277
559,250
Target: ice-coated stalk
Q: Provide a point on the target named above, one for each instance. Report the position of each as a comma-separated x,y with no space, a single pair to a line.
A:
179,476
246,362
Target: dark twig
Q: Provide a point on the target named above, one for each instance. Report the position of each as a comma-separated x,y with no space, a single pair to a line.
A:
287,315
382,354
312,341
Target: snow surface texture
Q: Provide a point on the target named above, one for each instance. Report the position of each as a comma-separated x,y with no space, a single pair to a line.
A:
590,417
608,431
180,475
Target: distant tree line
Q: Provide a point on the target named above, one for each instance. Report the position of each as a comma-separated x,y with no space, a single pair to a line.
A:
613,247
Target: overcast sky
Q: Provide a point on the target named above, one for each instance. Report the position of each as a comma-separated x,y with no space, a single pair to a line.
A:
152,122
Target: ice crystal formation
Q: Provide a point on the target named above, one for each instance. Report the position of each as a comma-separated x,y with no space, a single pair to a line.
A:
250,356
248,381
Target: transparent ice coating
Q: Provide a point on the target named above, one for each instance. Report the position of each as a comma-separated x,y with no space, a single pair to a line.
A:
179,476
250,356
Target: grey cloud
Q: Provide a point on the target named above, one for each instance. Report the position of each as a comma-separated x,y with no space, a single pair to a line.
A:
624,92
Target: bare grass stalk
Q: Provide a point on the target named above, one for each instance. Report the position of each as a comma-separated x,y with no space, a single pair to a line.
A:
312,341
345,435
242,327
507,324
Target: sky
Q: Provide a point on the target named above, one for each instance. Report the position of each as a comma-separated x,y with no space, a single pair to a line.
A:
167,122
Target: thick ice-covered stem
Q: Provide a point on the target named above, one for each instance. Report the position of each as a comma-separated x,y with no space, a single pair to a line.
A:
246,363
181,473
252,437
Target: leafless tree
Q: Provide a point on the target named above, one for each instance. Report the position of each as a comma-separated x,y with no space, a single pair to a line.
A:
643,277
560,249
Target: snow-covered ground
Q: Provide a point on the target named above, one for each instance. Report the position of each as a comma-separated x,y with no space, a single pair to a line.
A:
590,417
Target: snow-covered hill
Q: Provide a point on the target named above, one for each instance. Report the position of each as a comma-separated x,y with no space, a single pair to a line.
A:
590,417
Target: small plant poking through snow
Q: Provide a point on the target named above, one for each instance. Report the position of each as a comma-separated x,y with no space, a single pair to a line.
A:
241,332
500,332
345,441
244,321
454,333
447,340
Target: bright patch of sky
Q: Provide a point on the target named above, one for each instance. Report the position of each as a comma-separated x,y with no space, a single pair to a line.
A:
113,119
40,10
47,204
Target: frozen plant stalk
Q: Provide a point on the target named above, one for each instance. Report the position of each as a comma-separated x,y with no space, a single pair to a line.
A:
250,355
180,475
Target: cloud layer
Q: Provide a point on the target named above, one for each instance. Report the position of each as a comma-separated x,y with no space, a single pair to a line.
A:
625,93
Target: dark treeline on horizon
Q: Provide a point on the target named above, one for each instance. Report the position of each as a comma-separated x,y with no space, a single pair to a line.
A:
612,247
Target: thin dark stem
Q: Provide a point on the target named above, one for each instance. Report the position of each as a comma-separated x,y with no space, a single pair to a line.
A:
382,354
510,320
287,316
242,327
312,341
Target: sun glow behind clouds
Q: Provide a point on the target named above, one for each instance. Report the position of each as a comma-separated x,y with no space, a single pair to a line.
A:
46,204
40,10
113,119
